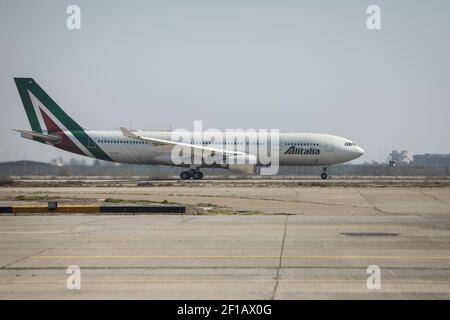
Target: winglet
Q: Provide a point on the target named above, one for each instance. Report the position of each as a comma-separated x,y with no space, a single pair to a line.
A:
127,133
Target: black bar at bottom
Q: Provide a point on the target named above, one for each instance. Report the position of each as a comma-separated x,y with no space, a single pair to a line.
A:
143,209
6,210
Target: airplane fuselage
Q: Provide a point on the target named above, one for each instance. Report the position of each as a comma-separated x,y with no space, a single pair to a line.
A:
302,149
237,150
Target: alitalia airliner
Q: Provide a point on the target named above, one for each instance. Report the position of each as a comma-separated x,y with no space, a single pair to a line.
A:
52,126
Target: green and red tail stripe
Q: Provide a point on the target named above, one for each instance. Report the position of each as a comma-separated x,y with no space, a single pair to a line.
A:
45,116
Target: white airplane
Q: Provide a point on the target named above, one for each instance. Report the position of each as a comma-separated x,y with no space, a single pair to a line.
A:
52,126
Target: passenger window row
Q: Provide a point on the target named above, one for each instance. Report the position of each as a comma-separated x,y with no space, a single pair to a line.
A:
122,141
143,142
302,144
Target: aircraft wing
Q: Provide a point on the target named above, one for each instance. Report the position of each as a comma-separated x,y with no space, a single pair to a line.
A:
128,133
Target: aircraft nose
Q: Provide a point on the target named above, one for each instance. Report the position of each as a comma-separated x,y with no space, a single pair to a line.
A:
359,151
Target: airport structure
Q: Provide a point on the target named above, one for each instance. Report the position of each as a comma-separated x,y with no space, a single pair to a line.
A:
431,159
399,157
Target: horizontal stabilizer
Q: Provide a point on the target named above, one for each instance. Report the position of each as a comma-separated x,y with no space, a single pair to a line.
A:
32,134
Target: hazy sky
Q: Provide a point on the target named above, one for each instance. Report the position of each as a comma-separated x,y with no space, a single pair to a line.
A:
307,66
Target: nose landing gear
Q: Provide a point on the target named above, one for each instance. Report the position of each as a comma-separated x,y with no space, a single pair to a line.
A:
324,174
191,174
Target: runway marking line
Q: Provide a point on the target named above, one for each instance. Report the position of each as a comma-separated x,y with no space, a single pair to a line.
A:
245,257
15,281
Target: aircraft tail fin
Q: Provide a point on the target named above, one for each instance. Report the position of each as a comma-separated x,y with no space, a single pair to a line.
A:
43,113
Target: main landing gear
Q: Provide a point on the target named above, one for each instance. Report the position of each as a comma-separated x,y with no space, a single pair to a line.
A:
324,174
191,174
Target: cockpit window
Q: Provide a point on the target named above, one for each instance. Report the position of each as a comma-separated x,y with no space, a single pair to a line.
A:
349,144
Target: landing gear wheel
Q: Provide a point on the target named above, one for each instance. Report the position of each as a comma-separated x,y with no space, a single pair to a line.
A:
185,175
324,175
197,175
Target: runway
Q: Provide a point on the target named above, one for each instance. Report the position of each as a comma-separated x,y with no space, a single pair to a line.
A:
263,243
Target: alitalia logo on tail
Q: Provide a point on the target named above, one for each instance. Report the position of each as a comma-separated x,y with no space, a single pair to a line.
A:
309,151
46,117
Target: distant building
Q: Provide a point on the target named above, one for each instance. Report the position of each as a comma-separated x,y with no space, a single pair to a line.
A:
399,157
430,159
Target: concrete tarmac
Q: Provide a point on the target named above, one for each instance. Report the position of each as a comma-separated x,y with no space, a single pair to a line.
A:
306,243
